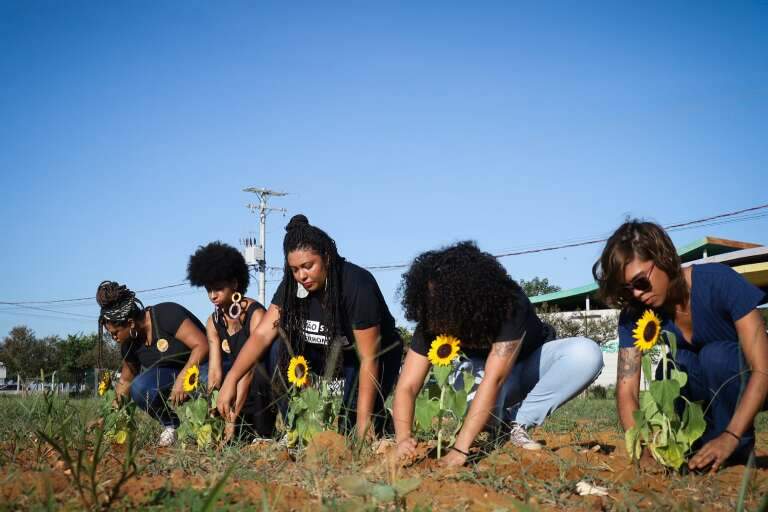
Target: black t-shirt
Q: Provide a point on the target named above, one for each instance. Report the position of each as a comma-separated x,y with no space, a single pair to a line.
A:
363,306
231,344
164,350
521,321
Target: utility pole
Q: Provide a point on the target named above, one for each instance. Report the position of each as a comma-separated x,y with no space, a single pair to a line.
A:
255,255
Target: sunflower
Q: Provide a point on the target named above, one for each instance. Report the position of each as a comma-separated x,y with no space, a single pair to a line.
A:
444,350
190,378
647,331
298,371
104,383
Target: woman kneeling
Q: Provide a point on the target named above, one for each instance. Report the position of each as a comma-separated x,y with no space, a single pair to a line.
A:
524,372
158,345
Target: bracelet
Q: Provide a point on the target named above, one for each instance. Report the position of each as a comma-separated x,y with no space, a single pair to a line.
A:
460,451
726,431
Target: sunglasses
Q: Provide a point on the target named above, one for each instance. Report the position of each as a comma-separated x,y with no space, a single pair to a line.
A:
641,283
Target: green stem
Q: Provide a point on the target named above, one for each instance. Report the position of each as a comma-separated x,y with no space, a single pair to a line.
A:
440,423
664,362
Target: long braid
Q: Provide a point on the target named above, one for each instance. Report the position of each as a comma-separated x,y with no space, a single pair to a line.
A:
294,311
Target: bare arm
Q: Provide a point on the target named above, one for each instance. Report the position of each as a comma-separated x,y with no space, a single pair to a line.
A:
194,339
754,345
261,337
367,342
215,372
498,364
628,385
409,383
127,373
244,384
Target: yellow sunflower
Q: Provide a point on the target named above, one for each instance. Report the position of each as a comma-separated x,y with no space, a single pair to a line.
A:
191,378
298,371
104,383
647,331
443,350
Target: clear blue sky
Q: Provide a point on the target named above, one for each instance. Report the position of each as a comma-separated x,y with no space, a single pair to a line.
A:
128,130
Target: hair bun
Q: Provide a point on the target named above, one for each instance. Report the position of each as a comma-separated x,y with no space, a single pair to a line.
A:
110,292
297,221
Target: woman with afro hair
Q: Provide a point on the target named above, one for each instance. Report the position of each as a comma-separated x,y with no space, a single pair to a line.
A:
326,305
222,271
522,372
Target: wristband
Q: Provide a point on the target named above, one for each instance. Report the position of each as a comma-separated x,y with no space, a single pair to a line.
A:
726,431
460,451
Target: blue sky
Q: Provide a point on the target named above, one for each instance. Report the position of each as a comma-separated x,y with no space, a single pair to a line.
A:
129,130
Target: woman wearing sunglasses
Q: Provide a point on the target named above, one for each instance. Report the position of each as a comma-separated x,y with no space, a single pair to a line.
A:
721,336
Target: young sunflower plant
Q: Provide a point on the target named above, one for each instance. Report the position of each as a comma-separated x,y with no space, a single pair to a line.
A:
116,413
199,420
310,407
442,403
659,428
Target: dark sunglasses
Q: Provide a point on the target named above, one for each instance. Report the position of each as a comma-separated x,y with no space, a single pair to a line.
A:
641,283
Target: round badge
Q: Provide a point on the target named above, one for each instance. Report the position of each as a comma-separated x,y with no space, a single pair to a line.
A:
162,344
225,346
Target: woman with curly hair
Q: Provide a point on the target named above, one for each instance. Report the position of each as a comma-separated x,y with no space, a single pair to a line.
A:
158,344
721,336
222,271
324,302
522,372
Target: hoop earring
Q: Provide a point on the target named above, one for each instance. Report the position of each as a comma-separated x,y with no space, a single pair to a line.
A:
238,310
133,333
301,292
237,297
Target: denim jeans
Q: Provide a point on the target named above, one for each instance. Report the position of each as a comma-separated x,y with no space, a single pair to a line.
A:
717,375
151,388
546,379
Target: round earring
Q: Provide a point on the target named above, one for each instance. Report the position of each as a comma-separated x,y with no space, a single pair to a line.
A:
237,310
133,333
301,292
237,297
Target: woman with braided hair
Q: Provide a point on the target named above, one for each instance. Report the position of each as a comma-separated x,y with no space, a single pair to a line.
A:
223,272
322,302
158,345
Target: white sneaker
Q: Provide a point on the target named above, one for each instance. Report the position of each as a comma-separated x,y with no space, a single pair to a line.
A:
520,438
167,437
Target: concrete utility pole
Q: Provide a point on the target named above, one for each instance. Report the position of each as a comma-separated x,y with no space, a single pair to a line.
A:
255,255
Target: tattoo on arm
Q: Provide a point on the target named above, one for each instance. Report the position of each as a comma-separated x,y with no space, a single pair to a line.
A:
506,348
629,363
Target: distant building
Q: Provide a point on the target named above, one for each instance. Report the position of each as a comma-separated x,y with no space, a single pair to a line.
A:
748,259
2,373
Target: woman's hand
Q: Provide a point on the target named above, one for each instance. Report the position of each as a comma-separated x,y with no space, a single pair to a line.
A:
215,377
406,448
227,395
715,452
177,393
453,459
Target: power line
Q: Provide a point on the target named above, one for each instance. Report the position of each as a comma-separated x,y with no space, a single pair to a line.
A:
723,218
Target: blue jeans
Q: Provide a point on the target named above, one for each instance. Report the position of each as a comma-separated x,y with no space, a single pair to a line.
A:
546,379
717,375
150,390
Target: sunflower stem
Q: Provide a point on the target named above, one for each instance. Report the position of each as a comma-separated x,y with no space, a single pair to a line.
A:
440,423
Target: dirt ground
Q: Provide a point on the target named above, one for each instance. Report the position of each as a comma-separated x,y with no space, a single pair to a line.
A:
504,479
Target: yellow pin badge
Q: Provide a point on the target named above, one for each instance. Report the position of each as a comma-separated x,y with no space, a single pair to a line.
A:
225,346
162,345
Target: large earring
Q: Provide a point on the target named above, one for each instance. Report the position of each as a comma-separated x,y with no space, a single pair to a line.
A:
235,309
301,292
133,333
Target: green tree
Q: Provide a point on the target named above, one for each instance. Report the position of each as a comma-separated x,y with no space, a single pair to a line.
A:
26,355
537,286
